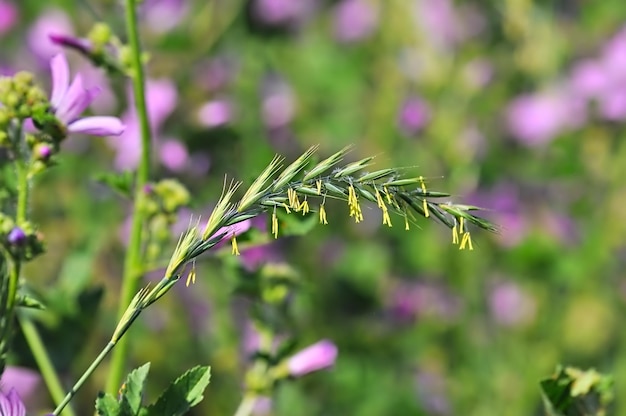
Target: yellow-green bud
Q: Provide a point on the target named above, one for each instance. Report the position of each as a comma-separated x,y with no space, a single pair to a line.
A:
99,35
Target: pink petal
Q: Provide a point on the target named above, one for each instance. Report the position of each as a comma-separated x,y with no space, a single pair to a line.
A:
73,99
98,126
60,78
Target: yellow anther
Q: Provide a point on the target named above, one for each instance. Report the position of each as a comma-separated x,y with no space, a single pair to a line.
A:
274,224
406,222
323,219
191,277
304,206
353,204
235,247
455,235
318,183
466,241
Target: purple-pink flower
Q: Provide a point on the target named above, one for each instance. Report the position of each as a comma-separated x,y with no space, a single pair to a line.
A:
315,357
70,100
8,16
354,20
11,404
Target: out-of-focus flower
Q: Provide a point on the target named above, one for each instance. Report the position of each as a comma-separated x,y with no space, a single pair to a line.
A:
23,380
174,155
538,118
161,99
510,305
8,16
279,12
414,300
431,390
505,204
588,79
316,357
215,113
163,15
217,73
413,116
11,404
478,73
614,57
69,101
278,102
612,104
354,20
262,406
51,21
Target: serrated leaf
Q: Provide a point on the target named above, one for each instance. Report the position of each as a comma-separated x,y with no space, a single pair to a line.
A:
184,393
132,390
119,182
106,405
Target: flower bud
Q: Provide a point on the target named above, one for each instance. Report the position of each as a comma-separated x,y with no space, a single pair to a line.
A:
16,236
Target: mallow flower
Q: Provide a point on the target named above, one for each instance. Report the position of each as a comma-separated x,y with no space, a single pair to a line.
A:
11,404
70,100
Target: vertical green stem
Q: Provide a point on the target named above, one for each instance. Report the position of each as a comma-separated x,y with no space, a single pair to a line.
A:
43,361
132,265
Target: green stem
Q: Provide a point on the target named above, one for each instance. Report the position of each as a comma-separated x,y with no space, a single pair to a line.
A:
132,265
83,378
43,361
247,405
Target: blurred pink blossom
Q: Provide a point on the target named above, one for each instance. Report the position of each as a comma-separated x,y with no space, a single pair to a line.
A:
163,15
411,300
315,357
25,381
38,38
161,99
510,305
174,155
535,119
414,115
279,12
354,20
9,16
612,104
278,106
215,113
588,79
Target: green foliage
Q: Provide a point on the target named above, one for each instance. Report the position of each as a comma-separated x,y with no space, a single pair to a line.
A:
574,392
183,393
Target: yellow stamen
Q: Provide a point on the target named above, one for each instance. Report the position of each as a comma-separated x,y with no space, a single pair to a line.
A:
235,247
455,235
304,206
466,241
318,183
191,277
462,227
287,210
388,195
294,203
274,224
383,208
406,222
425,204
353,204
323,219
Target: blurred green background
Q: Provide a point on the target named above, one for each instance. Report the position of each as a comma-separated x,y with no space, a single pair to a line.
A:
516,105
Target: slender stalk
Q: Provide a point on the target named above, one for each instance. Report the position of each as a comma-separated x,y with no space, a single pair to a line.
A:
132,265
247,405
83,378
43,361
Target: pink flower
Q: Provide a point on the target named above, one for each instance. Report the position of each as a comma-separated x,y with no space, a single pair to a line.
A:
8,16
23,380
70,100
354,20
11,404
414,115
316,357
51,21
510,305
215,113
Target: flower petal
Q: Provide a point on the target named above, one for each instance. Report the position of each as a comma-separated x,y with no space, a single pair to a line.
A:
11,404
60,78
98,126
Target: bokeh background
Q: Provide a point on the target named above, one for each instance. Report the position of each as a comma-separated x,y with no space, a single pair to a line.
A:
515,105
